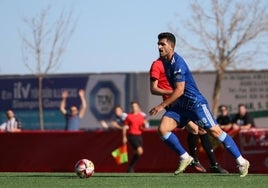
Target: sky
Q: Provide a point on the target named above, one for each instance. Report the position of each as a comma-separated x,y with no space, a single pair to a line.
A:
110,35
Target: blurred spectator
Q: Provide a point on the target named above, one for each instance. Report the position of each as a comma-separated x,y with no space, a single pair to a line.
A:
12,124
73,118
117,120
224,119
242,120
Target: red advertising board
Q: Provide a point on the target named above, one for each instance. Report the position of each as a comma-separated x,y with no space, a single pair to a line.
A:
57,151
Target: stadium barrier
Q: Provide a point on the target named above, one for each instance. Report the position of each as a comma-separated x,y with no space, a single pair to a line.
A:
58,151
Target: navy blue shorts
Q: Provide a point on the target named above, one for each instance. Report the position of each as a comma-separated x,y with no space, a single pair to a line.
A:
200,115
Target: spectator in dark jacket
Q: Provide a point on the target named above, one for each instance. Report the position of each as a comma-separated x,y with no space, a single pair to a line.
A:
243,120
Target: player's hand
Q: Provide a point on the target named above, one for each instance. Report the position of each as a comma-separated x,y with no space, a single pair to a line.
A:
64,94
156,109
124,140
81,93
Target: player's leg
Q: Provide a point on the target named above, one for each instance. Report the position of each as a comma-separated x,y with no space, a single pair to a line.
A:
209,123
165,128
192,139
231,146
206,143
136,143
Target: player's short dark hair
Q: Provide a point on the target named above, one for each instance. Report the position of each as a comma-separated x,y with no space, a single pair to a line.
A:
223,106
8,109
117,106
134,102
169,36
242,105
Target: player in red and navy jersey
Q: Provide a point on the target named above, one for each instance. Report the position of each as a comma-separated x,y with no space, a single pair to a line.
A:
160,86
132,133
187,103
158,81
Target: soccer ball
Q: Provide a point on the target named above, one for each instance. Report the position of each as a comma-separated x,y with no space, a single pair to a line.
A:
84,168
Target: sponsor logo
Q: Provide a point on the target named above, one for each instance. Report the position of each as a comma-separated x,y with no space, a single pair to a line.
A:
103,97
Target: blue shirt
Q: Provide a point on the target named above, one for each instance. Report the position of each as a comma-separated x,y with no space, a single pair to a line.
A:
178,71
72,122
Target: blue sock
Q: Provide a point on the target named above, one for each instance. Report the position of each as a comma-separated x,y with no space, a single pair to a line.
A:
229,144
173,142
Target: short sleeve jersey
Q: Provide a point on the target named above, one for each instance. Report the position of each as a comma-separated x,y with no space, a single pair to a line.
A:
178,71
157,72
243,120
120,120
135,122
224,120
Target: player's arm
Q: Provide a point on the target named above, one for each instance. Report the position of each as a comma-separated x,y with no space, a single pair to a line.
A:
17,130
115,125
235,126
226,127
247,125
64,96
144,126
177,92
104,124
18,127
124,133
155,90
83,107
2,127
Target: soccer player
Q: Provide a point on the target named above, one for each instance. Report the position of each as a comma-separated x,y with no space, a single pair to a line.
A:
159,85
132,132
187,103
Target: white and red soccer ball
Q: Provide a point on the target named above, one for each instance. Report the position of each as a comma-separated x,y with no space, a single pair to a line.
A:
84,168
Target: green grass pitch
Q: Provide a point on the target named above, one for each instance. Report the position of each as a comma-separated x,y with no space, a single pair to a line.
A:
139,180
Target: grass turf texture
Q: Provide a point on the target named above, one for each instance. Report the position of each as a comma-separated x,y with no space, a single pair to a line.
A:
150,180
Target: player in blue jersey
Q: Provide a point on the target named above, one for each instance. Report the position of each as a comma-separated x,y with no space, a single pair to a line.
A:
186,103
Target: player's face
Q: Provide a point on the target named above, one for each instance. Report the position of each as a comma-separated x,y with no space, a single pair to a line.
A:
224,111
10,114
118,111
242,110
74,111
135,108
165,49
